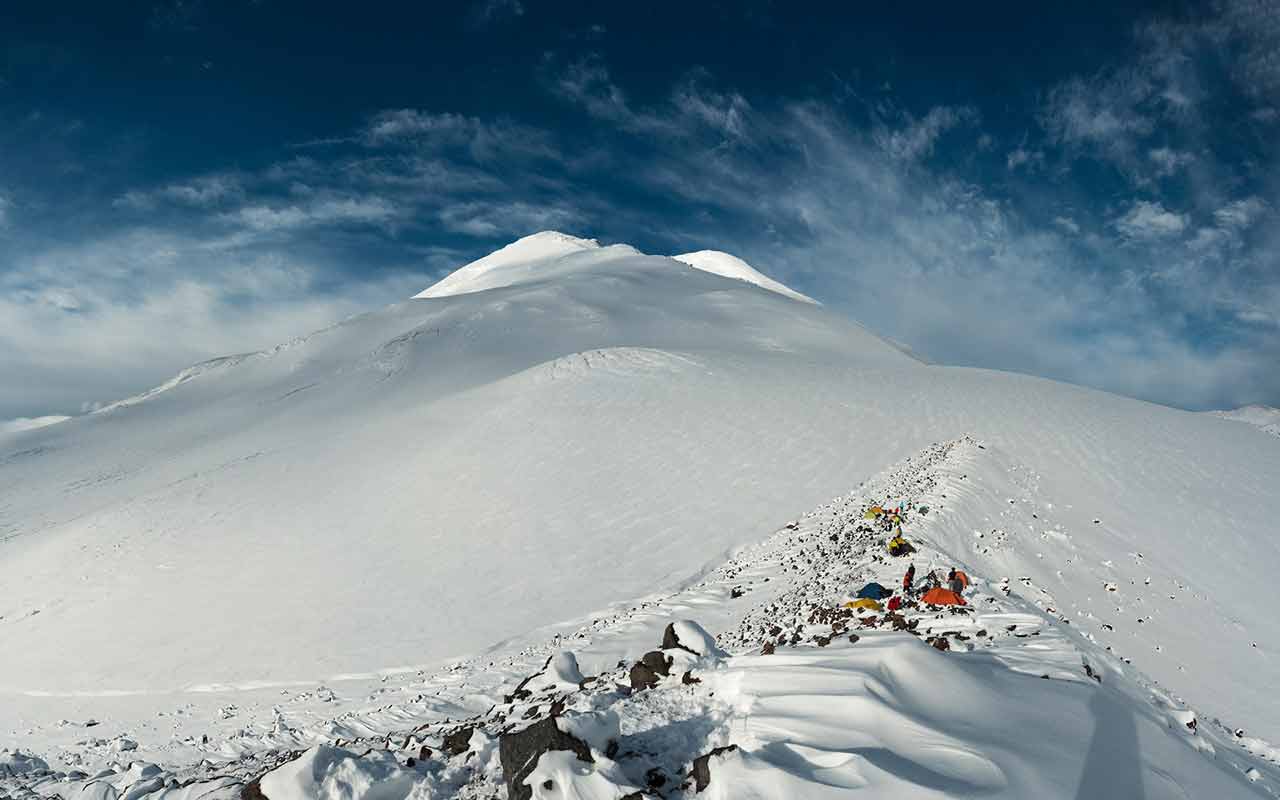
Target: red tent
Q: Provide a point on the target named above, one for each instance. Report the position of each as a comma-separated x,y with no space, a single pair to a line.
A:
942,597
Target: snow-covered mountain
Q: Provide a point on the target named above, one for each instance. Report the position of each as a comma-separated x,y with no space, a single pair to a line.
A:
553,429
1264,417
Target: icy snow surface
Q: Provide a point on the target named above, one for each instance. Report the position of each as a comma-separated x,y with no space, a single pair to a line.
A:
286,548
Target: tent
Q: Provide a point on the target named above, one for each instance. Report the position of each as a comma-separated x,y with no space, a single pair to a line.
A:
873,512
942,597
874,591
900,547
865,602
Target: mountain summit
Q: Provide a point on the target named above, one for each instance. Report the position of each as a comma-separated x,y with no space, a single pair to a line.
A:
542,256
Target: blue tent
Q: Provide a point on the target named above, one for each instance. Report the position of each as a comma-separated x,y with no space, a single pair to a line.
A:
874,591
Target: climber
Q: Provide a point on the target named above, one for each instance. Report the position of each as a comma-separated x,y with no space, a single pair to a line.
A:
954,583
908,579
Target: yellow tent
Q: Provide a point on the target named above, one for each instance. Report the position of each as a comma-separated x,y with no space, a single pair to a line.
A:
865,602
873,512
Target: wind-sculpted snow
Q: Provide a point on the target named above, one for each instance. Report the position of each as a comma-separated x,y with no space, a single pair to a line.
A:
423,481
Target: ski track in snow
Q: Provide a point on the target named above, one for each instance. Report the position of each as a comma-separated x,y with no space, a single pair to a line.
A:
785,591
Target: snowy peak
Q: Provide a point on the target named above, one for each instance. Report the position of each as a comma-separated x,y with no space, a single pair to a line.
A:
543,255
511,264
730,266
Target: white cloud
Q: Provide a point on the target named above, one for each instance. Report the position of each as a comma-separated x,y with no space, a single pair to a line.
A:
1255,26
1240,214
1168,161
723,112
1147,220
145,304
1021,157
489,220
917,139
691,111
483,140
1104,112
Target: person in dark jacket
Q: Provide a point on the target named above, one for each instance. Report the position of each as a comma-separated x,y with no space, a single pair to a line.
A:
908,579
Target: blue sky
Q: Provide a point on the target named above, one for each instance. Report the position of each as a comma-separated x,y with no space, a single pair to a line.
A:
1083,193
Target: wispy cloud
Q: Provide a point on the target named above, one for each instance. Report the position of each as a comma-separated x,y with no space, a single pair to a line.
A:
1168,161
362,210
204,191
917,138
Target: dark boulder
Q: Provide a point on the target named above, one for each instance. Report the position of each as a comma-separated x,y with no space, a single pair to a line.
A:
519,753
458,741
653,665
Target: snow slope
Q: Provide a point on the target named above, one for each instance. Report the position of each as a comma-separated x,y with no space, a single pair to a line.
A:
1264,417
847,702
566,427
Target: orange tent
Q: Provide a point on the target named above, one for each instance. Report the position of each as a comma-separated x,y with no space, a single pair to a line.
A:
942,597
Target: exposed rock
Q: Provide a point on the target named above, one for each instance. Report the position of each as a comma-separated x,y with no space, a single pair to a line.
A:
458,741
252,790
701,771
519,753
642,677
